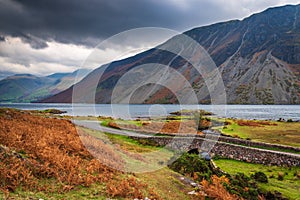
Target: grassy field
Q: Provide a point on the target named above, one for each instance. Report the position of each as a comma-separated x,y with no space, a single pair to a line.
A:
289,186
286,133
164,181
136,157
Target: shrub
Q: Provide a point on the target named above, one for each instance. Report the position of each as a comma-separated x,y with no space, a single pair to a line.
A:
192,164
297,174
243,186
216,188
260,177
227,123
113,125
280,176
129,187
273,195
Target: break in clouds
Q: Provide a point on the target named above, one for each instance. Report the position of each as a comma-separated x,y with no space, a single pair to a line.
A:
46,36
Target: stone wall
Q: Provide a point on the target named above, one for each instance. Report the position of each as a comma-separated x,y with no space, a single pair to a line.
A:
226,150
242,142
257,144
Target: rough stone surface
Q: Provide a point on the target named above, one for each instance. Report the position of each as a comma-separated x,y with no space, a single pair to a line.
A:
226,150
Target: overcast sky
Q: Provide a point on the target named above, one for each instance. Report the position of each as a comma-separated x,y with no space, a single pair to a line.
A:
46,36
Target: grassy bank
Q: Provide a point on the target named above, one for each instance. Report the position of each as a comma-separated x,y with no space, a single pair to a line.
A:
286,133
289,186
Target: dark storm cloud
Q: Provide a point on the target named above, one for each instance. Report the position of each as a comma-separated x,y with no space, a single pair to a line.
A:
34,42
89,21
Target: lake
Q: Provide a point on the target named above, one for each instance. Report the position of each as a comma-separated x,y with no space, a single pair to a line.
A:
125,111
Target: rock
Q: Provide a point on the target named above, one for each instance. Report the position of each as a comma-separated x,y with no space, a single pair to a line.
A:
194,184
192,192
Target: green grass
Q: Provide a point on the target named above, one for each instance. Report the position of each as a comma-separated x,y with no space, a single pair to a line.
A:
167,184
105,122
140,157
96,191
133,122
163,180
289,186
130,144
286,133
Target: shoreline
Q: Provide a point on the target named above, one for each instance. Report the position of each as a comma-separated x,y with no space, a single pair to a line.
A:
260,112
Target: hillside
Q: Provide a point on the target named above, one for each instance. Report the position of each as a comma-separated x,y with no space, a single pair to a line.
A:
44,157
51,159
258,58
27,88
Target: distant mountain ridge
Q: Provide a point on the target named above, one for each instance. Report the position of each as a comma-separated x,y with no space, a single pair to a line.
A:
258,57
29,88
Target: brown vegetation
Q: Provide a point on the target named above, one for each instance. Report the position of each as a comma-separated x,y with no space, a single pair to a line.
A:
255,123
168,127
113,125
46,154
217,190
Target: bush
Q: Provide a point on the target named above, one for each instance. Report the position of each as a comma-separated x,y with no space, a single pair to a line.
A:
243,186
192,164
113,125
297,174
216,190
280,176
260,177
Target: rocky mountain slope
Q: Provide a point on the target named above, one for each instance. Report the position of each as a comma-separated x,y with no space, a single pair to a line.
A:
258,58
28,88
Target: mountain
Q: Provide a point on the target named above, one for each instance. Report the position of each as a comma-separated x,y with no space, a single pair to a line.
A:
27,88
5,74
258,58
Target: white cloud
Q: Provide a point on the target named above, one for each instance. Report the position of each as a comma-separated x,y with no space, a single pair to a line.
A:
243,8
19,57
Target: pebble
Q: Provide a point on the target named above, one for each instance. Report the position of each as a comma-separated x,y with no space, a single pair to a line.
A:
194,184
192,192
